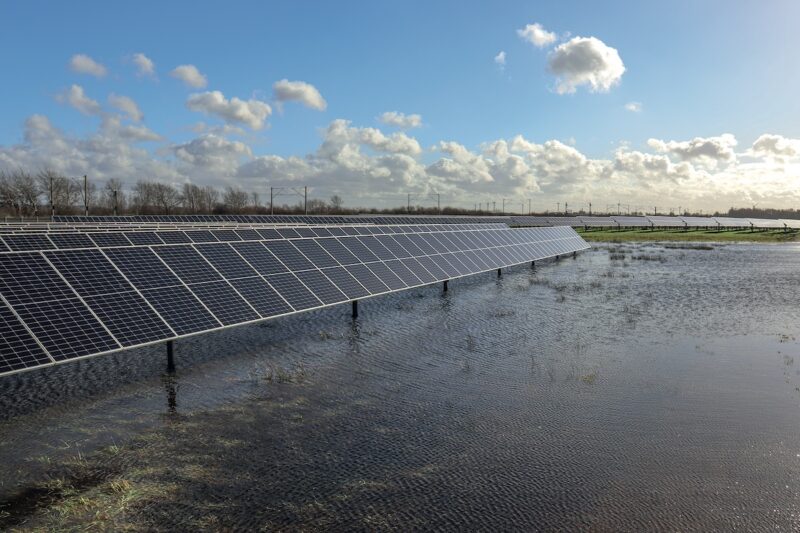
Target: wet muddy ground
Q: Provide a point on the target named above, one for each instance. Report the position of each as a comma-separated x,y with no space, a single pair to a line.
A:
635,387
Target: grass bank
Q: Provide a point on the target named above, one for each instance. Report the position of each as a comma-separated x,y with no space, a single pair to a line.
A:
697,235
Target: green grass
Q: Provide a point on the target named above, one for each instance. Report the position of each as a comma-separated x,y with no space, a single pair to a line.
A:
698,235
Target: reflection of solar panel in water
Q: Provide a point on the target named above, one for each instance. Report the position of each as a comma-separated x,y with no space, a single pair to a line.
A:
62,304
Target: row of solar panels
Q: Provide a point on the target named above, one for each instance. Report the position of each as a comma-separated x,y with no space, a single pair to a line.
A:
18,242
657,222
62,305
290,219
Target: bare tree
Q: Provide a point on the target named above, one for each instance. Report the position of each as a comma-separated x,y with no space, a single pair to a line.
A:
235,199
22,191
191,197
317,206
209,198
336,203
113,196
166,196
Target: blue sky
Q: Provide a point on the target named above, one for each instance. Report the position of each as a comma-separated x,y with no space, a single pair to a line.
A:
698,70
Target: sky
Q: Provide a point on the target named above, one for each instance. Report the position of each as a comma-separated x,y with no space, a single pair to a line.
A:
669,104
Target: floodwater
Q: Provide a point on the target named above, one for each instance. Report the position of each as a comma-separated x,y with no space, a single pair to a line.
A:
635,387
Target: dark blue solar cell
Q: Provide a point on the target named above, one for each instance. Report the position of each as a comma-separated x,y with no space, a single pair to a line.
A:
403,273
71,240
223,301
129,318
409,245
201,235
305,232
19,242
269,234
225,260
66,328
18,349
226,235
338,251
389,278
142,267
187,263
288,233
315,253
257,255
143,238
289,255
27,278
433,267
88,271
414,266
389,242
358,249
248,234
261,296
321,286
293,291
368,279
108,239
174,237
375,246
346,282
181,309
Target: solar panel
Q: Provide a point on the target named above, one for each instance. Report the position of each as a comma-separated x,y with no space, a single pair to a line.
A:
70,303
261,296
224,302
181,309
18,349
293,291
129,318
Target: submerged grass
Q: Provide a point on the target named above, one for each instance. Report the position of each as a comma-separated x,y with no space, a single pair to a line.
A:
700,235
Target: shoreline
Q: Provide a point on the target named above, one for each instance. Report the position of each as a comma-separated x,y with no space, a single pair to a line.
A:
680,235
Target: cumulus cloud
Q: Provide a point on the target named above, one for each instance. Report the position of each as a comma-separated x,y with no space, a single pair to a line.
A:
299,91
211,154
710,150
83,64
777,146
585,61
189,75
144,65
127,106
369,167
634,107
500,59
537,35
76,97
252,113
401,120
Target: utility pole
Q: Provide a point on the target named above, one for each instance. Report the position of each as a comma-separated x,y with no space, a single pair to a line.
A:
85,195
558,207
566,210
504,206
305,199
271,198
408,203
529,206
494,206
590,208
438,203
115,201
52,204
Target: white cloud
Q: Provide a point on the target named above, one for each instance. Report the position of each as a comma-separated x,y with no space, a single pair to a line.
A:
769,145
299,91
189,75
75,97
83,64
144,65
368,167
401,120
127,106
210,155
537,35
500,58
634,107
585,61
707,150
252,113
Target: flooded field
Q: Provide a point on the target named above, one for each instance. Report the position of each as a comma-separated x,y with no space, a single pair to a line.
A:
635,387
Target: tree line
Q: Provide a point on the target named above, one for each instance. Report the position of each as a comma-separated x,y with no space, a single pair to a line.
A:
47,192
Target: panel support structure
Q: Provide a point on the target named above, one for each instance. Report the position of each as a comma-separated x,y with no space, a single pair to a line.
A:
444,286
170,357
355,308
499,272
